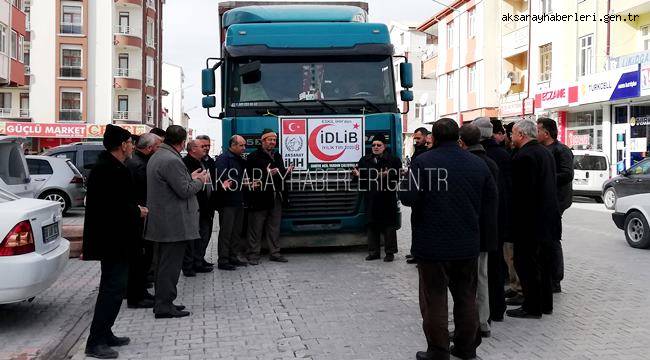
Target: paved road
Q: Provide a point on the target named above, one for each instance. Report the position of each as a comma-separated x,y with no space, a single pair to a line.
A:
334,305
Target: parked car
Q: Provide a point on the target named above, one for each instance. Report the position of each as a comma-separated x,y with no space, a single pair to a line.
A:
631,216
590,171
14,174
83,154
633,181
32,252
57,179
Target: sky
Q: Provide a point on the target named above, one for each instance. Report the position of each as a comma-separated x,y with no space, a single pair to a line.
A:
191,34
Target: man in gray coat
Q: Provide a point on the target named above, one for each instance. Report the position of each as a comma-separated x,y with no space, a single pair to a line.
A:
171,191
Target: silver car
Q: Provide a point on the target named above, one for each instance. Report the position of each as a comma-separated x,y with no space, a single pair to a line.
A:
57,179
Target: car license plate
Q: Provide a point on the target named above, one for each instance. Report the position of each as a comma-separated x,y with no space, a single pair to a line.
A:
50,232
580,181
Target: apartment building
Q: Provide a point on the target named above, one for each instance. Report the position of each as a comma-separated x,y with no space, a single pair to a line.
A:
173,84
92,63
467,54
14,40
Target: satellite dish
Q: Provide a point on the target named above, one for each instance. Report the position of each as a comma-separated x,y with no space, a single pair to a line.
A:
504,87
424,98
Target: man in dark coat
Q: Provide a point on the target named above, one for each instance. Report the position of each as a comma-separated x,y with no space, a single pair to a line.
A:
547,136
206,222
450,192
470,136
194,256
265,165
378,176
536,219
137,294
420,136
231,166
111,236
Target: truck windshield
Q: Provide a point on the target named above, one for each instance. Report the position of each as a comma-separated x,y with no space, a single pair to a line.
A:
294,80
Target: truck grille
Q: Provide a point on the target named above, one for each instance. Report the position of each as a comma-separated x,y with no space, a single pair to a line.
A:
327,195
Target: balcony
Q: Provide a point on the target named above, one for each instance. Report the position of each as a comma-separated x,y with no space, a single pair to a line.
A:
429,67
5,112
70,29
24,113
150,43
128,30
127,73
131,116
70,72
72,115
149,81
515,42
129,2
151,4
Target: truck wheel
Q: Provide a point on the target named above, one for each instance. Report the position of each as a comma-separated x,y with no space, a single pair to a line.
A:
59,197
637,231
609,197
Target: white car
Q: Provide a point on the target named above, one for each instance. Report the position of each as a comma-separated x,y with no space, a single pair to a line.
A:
631,215
590,172
14,174
32,252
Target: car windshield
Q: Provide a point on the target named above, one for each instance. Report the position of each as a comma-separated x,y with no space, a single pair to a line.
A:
305,79
589,162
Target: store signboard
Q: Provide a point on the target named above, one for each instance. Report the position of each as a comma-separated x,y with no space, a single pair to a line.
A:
556,98
515,108
574,139
621,83
61,131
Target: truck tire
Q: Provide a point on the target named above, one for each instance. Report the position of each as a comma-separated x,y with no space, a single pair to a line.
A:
637,231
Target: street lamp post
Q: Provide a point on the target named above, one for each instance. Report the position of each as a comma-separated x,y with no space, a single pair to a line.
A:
458,35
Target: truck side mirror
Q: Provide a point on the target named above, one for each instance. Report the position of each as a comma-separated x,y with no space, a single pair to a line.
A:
209,102
406,75
406,95
208,82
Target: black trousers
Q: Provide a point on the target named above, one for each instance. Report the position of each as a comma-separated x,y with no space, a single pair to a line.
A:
557,259
460,277
112,286
496,279
169,263
139,266
230,242
196,249
374,239
533,264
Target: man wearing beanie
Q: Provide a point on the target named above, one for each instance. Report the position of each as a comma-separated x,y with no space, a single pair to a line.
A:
265,202
174,216
110,235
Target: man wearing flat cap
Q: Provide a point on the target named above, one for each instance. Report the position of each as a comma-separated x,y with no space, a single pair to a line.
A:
111,236
378,176
265,201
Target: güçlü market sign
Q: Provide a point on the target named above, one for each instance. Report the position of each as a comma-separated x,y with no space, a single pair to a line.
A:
61,131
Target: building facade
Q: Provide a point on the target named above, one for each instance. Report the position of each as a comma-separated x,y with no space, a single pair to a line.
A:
14,54
92,63
173,84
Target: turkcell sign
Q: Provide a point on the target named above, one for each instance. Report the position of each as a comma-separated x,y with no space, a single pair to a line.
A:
622,83
332,142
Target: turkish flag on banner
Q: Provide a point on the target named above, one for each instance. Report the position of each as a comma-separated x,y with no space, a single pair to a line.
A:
293,127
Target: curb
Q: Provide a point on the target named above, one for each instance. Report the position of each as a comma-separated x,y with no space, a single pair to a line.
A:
74,234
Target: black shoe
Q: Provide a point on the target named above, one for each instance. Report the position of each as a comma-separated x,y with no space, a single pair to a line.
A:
206,263
279,258
486,333
118,341
453,351
142,304
179,307
203,269
557,288
547,312
147,296
189,273
497,319
389,258
522,314
238,262
515,301
409,256
101,352
511,293
176,314
226,266
423,355
411,261
372,257
254,262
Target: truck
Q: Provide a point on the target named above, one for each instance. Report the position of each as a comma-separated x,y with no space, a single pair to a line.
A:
323,78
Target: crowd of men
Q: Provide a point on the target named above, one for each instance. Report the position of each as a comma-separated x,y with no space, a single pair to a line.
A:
150,209
495,215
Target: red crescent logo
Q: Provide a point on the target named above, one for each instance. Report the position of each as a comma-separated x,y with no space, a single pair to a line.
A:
313,147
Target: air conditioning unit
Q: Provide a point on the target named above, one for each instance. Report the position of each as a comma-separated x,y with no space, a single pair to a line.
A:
514,76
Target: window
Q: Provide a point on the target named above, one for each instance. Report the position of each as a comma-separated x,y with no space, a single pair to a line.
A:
150,33
18,4
24,105
150,71
586,60
123,65
124,23
545,52
39,167
123,103
472,78
401,39
151,4
645,37
90,158
14,45
71,63
28,20
12,171
3,38
71,19
546,6
450,34
431,39
70,105
5,101
471,22
450,85
70,155
21,49
150,109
